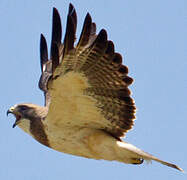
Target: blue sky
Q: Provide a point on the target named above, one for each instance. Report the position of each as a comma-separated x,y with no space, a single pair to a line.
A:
150,35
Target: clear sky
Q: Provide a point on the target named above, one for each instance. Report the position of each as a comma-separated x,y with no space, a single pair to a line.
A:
150,35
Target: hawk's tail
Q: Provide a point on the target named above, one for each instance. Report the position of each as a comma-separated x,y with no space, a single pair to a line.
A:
138,154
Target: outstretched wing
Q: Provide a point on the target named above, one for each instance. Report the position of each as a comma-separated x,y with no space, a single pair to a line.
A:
88,84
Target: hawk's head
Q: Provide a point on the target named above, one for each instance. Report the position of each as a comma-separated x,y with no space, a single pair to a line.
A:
29,118
27,113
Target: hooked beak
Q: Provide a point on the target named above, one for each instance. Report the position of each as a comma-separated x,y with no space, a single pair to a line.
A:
9,111
18,117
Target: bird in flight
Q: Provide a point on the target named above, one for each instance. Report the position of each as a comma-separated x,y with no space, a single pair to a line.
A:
88,105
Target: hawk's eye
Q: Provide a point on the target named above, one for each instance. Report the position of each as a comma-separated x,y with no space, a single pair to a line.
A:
23,108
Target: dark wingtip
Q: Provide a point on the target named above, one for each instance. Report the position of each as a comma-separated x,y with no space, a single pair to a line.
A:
70,35
117,59
73,14
110,48
54,56
56,28
103,33
102,36
43,51
86,31
88,15
71,7
42,36
55,10
88,19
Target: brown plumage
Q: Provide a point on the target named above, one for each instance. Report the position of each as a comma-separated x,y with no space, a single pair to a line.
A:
88,105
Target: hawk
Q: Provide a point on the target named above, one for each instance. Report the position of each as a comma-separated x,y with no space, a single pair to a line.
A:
88,105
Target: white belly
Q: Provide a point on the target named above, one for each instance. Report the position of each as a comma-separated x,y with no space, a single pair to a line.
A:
71,140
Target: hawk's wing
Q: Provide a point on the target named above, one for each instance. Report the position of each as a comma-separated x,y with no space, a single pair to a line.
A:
87,85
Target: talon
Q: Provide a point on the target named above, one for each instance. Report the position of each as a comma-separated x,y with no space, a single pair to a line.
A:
136,161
